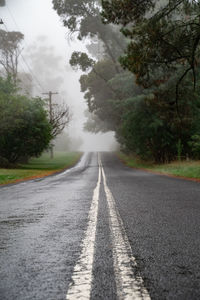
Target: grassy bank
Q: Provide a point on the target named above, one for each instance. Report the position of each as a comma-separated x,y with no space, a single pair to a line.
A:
39,167
188,169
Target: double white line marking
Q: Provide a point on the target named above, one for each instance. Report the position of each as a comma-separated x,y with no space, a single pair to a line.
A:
129,287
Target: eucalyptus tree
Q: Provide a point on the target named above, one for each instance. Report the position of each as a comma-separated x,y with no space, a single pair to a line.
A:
10,49
164,38
151,110
164,54
83,20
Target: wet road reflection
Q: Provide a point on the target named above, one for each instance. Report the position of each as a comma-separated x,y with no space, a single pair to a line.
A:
42,224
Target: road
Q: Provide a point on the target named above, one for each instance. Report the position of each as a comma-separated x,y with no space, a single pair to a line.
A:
100,231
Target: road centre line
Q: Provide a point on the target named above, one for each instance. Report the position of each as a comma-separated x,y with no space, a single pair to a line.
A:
129,287
80,288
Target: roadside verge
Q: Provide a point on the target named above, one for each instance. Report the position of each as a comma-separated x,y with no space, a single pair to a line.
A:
189,170
40,167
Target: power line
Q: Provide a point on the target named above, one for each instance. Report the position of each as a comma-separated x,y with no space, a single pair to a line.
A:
33,75
24,60
21,55
5,26
12,16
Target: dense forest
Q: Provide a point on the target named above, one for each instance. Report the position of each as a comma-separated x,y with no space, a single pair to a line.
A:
141,77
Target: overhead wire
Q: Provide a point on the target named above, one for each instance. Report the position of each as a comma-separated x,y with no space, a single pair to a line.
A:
41,88
12,16
6,28
21,64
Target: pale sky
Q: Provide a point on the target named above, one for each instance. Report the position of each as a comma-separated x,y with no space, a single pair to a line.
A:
36,18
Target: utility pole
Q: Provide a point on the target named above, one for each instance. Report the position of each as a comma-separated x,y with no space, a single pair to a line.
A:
50,113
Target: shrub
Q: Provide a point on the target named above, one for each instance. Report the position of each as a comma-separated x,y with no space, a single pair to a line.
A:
24,128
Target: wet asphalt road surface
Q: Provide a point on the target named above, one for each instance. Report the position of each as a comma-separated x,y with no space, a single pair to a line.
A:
100,231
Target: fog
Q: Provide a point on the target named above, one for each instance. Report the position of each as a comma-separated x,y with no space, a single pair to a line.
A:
45,56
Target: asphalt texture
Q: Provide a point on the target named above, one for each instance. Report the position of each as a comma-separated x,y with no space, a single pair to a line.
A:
43,223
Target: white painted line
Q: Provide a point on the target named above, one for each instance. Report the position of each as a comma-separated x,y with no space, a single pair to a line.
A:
78,165
80,287
129,287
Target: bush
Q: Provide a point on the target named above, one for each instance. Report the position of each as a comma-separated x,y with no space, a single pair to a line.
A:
24,128
4,163
195,146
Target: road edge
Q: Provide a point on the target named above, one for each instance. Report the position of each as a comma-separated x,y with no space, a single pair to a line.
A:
48,174
157,172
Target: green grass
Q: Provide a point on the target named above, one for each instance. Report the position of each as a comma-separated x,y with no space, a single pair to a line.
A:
39,167
189,169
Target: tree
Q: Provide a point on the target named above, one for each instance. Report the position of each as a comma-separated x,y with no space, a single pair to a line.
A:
99,94
164,54
153,110
60,118
10,49
2,2
82,17
46,66
24,129
163,42
7,86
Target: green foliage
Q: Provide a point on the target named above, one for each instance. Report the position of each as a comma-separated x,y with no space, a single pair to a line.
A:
147,134
75,12
161,40
9,52
194,143
179,149
150,125
125,11
81,60
189,169
163,53
61,160
82,17
124,85
24,128
94,124
7,86
152,105
100,96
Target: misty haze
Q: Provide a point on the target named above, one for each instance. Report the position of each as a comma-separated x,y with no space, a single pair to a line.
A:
99,149
46,50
